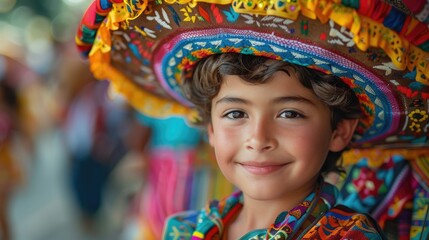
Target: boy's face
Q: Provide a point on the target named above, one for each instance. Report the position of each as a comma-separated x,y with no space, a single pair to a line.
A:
271,139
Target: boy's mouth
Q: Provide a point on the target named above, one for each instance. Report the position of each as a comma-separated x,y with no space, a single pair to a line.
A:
258,168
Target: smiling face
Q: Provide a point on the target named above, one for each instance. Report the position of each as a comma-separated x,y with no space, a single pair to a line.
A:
271,139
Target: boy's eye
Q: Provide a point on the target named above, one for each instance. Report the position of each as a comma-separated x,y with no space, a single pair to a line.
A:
235,115
290,114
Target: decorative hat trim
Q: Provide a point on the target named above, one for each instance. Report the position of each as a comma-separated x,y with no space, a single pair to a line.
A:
403,46
144,101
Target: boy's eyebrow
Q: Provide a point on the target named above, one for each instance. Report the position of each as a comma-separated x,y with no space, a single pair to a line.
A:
284,99
293,99
231,100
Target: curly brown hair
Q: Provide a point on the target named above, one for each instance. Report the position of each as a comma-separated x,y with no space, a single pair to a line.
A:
208,75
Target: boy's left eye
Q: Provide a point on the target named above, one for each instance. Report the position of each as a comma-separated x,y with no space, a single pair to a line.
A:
235,114
290,114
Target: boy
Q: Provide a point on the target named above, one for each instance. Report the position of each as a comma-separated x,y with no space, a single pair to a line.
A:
276,129
377,48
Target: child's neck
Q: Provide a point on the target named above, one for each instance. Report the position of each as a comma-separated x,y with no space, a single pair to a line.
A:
257,214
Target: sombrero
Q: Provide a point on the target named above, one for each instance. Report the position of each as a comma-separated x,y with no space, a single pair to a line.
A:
380,49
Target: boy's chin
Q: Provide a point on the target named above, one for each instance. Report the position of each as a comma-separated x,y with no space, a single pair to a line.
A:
258,193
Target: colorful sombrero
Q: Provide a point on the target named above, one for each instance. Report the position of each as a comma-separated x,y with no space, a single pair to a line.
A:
379,49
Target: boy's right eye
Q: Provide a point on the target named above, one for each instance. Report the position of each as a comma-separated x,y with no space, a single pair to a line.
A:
235,114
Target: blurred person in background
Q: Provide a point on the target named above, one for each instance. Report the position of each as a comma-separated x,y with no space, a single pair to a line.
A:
99,133
16,132
94,133
9,169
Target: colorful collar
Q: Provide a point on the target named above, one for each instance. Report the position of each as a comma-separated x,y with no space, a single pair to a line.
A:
212,221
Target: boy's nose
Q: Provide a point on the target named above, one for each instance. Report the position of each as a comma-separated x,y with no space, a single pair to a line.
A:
261,138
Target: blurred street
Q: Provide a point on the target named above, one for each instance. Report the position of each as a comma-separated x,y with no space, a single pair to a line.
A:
40,64
43,209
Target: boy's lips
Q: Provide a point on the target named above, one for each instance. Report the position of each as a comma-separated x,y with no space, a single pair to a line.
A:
259,168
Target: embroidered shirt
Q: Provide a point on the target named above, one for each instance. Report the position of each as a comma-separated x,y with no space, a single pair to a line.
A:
314,218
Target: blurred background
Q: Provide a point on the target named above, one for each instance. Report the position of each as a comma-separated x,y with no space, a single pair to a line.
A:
46,192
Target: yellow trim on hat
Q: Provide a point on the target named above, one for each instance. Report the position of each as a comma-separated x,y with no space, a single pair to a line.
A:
144,101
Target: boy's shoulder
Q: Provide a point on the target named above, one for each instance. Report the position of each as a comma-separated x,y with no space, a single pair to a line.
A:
184,224
343,222
180,225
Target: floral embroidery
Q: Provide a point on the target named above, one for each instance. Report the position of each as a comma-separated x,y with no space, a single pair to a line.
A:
418,115
415,127
367,184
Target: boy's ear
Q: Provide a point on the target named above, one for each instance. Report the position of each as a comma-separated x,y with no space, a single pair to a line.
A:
210,133
343,134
